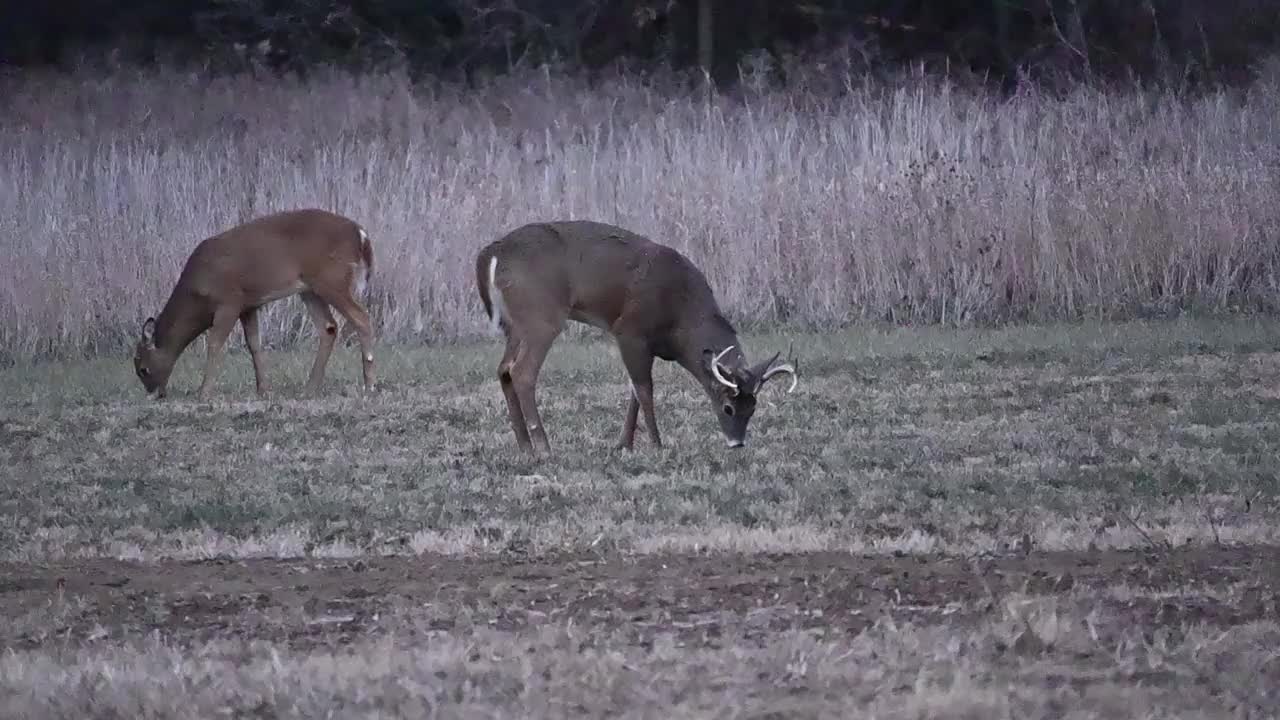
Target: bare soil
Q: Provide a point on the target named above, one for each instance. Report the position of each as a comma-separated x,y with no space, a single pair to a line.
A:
710,599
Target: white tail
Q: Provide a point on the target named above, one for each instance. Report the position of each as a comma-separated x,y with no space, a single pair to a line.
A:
360,278
495,296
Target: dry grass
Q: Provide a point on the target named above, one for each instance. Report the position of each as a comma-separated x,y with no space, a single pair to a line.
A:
1032,657
655,583
913,203
917,441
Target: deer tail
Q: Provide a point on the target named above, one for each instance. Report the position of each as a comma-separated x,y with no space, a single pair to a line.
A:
490,294
366,251
364,267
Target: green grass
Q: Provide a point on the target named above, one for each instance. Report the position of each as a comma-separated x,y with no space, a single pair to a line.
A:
895,440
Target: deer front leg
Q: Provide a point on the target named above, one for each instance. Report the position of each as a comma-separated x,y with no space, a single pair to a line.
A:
639,363
216,340
645,392
628,438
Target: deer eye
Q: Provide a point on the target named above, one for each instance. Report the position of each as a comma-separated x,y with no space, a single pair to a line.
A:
728,409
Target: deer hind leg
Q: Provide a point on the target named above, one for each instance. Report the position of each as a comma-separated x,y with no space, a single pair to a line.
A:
639,363
224,321
327,328
253,340
524,379
514,413
358,318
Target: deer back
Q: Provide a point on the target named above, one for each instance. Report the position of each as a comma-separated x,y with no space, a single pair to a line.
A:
598,273
275,256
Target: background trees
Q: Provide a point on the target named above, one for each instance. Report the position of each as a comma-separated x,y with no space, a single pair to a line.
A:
1003,41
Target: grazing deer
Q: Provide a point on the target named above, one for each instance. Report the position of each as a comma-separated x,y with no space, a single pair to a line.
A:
324,257
649,297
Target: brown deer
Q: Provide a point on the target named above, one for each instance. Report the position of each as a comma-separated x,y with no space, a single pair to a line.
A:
649,297
326,258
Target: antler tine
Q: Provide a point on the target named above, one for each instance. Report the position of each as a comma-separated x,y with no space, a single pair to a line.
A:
793,360
785,368
789,367
715,369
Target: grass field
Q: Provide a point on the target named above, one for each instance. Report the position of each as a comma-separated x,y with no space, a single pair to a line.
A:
1040,521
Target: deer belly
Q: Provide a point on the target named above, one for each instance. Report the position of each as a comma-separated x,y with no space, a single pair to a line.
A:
279,293
583,316
663,351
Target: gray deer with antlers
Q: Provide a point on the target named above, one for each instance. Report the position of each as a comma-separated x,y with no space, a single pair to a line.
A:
651,299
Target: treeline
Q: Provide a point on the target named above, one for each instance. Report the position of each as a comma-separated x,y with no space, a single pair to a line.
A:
1183,41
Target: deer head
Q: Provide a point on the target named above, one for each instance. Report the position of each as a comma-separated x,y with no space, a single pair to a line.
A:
734,386
152,364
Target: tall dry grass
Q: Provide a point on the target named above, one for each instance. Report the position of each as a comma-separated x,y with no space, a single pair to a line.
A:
912,202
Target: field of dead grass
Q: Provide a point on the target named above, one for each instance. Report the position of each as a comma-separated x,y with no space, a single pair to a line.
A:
909,200
1065,436
1039,521
1189,632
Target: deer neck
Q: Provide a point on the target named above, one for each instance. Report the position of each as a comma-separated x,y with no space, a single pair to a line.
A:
180,322
712,333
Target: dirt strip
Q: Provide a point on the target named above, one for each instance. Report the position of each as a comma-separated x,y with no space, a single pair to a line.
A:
305,602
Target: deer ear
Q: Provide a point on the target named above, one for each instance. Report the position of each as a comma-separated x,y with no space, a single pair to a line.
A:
760,371
149,331
763,367
708,359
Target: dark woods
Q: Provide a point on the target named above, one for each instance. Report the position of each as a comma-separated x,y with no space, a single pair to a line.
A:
1186,42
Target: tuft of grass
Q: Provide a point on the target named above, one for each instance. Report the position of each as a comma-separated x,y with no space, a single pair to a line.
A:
913,203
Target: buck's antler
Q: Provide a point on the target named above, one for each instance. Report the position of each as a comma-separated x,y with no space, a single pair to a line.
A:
715,369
